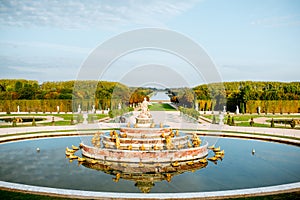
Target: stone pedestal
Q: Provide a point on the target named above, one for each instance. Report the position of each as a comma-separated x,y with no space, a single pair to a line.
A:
144,122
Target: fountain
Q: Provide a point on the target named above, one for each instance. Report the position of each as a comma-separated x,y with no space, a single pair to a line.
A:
145,147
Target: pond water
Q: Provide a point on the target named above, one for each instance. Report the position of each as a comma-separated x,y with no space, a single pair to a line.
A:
272,164
160,96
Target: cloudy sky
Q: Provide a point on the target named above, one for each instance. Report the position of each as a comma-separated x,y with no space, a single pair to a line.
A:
49,40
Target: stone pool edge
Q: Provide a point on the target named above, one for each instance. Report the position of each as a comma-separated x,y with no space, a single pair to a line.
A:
276,189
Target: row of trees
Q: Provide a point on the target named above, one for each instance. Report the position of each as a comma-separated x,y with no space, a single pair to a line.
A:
68,95
270,96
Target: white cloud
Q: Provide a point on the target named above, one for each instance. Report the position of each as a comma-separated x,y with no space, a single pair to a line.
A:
78,14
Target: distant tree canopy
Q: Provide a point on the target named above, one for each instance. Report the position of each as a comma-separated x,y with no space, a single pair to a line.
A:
102,94
248,95
231,94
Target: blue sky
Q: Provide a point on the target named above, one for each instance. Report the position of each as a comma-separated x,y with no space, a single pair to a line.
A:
247,40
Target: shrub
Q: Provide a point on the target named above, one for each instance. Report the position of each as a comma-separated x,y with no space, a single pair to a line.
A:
110,114
14,122
272,123
33,122
53,122
293,123
232,121
72,120
228,120
214,120
251,121
190,112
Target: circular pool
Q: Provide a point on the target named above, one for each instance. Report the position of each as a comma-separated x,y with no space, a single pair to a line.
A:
271,164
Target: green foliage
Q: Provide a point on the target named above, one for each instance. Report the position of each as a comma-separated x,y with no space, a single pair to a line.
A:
111,114
247,92
272,97
118,112
190,111
161,107
184,97
273,106
242,108
79,118
137,95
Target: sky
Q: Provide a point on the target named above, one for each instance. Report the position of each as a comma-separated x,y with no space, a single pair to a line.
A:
257,40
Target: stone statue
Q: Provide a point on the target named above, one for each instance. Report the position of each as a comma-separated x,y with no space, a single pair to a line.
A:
79,109
18,107
93,109
145,111
221,118
224,109
85,116
57,107
145,106
237,110
119,106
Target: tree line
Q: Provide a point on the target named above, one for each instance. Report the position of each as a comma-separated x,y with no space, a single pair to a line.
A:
68,95
102,95
247,95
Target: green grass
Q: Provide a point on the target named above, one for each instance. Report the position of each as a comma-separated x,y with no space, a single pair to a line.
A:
247,117
243,120
254,125
19,195
65,122
161,107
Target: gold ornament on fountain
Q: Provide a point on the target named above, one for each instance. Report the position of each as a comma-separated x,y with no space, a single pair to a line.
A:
196,140
161,125
124,135
117,141
172,133
142,148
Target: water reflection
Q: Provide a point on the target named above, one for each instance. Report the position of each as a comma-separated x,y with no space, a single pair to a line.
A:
144,175
272,164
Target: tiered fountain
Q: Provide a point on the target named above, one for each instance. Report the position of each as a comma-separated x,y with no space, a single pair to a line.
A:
145,143
145,148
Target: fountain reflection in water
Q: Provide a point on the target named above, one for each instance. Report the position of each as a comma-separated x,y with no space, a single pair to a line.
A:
144,175
144,152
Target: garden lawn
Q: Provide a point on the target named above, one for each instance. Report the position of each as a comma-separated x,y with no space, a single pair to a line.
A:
65,122
161,107
243,120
